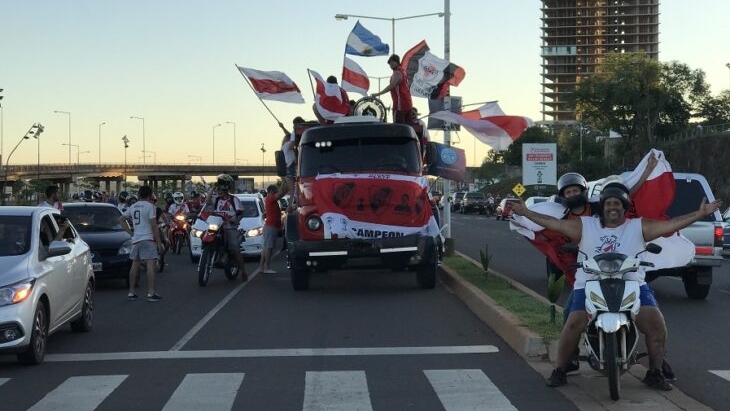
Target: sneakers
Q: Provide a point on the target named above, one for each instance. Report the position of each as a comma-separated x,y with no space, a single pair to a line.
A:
557,379
656,380
154,297
132,297
667,371
574,364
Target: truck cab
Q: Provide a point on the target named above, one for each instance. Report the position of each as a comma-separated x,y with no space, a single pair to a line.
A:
361,202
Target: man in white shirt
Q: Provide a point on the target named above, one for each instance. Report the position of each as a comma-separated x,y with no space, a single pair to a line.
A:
52,199
146,242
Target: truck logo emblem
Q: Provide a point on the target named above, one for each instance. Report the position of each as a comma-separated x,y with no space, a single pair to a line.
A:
342,195
379,198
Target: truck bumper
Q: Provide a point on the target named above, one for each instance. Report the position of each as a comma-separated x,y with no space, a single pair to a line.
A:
394,253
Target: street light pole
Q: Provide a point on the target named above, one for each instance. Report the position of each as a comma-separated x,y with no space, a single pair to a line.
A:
69,132
391,19
378,78
726,65
214,127
154,155
126,146
199,158
35,130
100,124
263,151
144,147
234,141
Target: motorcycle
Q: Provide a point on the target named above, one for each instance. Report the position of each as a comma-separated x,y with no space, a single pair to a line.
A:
209,228
177,235
612,303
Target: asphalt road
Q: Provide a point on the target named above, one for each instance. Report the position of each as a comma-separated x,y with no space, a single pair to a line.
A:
355,341
698,330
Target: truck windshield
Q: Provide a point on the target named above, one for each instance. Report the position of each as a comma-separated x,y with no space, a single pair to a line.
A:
359,155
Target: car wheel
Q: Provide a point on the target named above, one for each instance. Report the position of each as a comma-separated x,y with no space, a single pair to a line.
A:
426,276
692,286
36,350
299,279
86,321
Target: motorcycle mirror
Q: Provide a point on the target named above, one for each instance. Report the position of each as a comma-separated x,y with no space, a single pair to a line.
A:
569,248
653,248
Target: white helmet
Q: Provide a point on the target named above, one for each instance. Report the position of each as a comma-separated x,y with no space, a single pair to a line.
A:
178,197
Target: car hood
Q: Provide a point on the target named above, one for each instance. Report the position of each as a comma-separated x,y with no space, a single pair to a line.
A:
105,239
17,269
249,223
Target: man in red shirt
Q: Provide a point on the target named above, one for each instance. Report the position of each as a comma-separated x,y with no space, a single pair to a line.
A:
399,91
272,225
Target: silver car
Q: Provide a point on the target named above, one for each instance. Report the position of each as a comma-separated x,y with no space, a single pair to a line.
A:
46,281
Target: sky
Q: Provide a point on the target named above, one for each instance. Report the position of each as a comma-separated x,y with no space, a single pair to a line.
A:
172,62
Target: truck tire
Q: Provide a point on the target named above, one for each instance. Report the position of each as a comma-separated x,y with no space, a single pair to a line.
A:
426,275
299,279
696,289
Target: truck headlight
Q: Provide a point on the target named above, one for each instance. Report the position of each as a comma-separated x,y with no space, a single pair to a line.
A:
314,223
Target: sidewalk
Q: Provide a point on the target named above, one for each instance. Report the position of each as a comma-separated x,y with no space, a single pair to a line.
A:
587,389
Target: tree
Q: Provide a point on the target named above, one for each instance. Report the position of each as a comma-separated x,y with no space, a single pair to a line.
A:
715,110
513,154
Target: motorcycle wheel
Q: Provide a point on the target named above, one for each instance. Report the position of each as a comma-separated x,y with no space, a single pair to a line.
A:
611,357
205,266
178,243
231,268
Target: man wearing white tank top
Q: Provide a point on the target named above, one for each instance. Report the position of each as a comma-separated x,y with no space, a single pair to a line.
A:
612,232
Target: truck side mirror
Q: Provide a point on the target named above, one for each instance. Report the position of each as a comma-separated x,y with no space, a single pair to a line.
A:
431,153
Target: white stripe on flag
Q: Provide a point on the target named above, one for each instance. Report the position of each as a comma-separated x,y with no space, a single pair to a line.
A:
79,393
461,390
354,78
208,391
336,390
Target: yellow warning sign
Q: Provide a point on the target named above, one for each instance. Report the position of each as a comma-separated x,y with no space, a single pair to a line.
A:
519,189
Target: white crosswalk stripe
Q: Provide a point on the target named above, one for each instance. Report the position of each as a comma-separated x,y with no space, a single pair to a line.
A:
724,374
79,393
336,391
212,392
4,380
472,390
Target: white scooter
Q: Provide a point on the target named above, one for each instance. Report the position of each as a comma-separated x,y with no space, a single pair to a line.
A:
612,303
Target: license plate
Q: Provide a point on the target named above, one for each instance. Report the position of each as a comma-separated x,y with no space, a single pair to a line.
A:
96,266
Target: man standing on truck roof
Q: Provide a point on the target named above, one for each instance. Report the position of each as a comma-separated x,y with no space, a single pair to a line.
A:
399,91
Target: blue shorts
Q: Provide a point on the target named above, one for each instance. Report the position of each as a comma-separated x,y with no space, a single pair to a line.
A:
646,297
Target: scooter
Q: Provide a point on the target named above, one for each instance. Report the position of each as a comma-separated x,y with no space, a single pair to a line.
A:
209,228
612,303
177,235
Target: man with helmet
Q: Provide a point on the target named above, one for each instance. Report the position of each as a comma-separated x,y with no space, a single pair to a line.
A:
611,231
178,203
223,202
195,203
122,198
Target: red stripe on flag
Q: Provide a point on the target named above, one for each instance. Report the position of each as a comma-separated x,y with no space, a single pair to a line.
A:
272,86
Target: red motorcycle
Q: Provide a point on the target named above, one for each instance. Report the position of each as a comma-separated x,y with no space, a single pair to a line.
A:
177,234
209,228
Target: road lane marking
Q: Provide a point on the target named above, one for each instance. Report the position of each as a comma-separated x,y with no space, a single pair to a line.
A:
79,393
206,391
4,380
336,390
203,321
282,352
724,374
462,390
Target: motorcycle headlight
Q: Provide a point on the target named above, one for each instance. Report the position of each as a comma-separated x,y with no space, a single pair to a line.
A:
126,248
628,300
610,266
213,227
197,233
180,217
255,232
16,293
597,299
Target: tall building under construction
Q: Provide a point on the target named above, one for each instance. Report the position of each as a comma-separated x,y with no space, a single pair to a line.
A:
576,34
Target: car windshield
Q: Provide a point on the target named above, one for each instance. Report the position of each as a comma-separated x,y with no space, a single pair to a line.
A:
475,195
94,219
15,234
387,154
249,209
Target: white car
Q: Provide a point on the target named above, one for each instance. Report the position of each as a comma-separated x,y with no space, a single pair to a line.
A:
45,282
252,223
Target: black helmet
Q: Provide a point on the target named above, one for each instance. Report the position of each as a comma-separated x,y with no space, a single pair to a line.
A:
132,199
88,196
616,190
224,182
194,194
123,195
98,197
573,179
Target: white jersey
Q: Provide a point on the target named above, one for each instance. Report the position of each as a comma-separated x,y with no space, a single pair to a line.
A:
174,208
228,206
142,213
628,238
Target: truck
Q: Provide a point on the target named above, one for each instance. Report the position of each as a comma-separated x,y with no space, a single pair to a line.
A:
706,234
361,202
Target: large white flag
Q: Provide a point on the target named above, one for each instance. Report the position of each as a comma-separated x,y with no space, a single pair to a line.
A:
272,85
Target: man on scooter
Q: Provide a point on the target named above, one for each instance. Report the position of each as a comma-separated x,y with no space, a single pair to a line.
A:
225,203
613,232
178,203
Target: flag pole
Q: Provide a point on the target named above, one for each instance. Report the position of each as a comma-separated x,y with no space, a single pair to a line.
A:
314,93
257,95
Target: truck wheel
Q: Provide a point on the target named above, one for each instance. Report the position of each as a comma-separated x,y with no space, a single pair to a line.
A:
694,289
299,279
426,275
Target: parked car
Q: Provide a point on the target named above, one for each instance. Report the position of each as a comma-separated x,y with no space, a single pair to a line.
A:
47,281
726,231
98,225
504,209
474,201
456,201
252,223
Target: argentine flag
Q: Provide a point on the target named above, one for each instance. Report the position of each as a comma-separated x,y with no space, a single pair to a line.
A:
361,42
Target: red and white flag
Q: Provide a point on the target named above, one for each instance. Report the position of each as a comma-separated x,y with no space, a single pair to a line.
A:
354,78
330,99
272,85
429,76
488,124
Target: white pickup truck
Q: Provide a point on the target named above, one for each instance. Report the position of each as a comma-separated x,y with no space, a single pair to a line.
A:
706,235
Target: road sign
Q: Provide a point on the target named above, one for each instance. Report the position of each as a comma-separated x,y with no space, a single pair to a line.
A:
519,189
539,164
